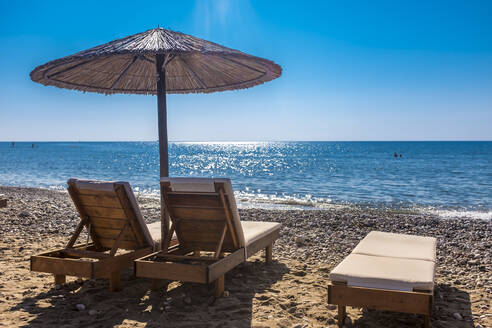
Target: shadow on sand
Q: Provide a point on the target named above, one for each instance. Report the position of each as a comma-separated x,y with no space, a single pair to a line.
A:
447,300
183,305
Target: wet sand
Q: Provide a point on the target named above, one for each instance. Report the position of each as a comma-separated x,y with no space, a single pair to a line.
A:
290,292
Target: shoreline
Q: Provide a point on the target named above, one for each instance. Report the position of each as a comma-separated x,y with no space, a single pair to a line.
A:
293,204
290,292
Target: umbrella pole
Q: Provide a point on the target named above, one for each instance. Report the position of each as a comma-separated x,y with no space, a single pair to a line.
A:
163,142
162,115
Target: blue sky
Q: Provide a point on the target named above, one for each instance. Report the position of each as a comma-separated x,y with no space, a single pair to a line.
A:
352,70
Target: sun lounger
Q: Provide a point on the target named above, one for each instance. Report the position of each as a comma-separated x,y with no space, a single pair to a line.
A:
212,239
386,271
118,233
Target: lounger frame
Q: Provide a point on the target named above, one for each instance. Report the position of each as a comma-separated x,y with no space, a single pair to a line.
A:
72,262
103,257
200,261
417,301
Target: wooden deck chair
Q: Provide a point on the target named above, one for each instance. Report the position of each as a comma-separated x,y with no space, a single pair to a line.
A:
386,271
211,238
118,233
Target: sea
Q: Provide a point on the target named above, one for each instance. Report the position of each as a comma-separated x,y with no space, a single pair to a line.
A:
449,179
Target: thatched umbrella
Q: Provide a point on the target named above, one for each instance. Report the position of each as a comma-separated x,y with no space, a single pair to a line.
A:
157,62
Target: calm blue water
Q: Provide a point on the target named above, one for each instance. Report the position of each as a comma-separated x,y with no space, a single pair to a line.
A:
450,176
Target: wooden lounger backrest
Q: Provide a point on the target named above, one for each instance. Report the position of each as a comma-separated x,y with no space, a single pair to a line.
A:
112,214
200,218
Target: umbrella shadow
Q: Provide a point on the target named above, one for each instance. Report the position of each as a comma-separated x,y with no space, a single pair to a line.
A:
182,305
447,300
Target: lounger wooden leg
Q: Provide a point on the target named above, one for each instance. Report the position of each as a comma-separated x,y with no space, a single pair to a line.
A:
219,286
268,253
114,281
426,321
342,312
60,279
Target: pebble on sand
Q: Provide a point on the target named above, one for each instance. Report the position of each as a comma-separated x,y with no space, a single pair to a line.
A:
80,307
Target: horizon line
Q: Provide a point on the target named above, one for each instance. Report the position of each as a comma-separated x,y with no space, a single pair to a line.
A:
246,141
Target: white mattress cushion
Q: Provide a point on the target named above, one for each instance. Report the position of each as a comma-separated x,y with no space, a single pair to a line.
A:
379,243
208,185
254,230
385,272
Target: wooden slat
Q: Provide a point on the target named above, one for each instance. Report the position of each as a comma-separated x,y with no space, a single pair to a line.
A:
65,266
101,201
130,215
73,192
198,237
105,212
167,242
99,193
125,244
198,213
85,253
89,247
171,271
114,233
205,193
199,219
77,232
379,299
221,241
186,257
116,224
120,237
226,264
228,216
197,233
177,200
206,246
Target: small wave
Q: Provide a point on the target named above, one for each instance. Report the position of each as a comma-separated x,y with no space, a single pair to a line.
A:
307,202
56,187
455,214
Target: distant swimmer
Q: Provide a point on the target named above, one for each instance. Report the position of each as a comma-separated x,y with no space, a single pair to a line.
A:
400,155
12,144
395,155
32,145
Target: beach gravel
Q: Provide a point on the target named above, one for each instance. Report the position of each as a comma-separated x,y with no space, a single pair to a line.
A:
290,292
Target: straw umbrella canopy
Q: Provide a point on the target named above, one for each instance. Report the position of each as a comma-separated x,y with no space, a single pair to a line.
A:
156,62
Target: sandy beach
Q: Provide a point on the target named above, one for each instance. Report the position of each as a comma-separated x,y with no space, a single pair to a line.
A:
290,292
